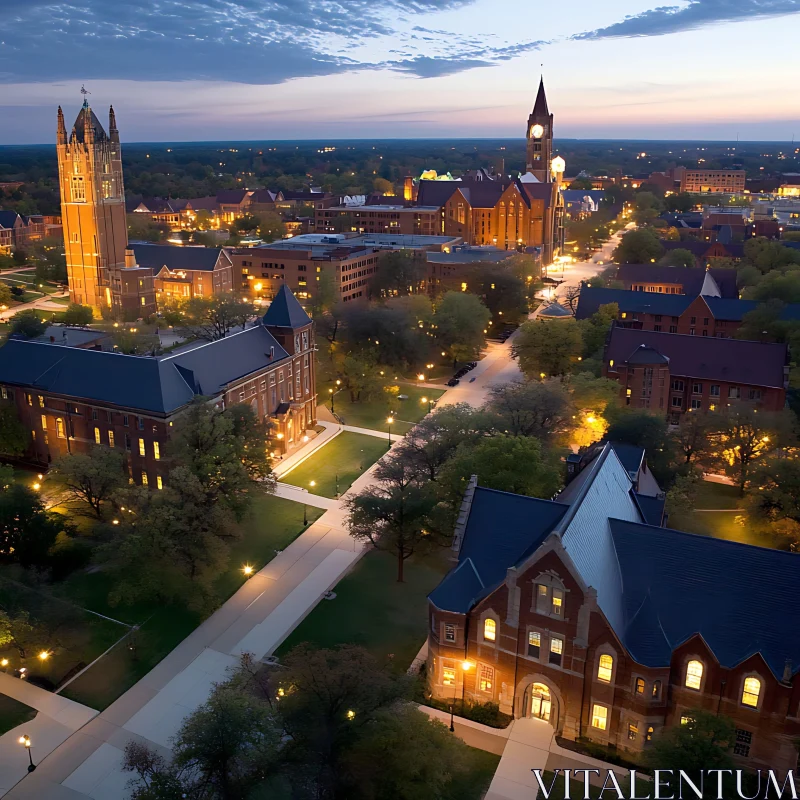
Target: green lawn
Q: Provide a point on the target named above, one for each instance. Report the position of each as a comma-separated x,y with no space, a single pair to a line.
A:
13,713
373,610
474,782
272,525
374,413
347,456
717,513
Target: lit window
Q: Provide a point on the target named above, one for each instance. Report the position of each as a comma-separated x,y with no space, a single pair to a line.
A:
605,668
556,650
449,633
144,479
487,678
490,630
599,717
649,735
60,431
558,601
656,689
111,438
534,643
142,450
41,401
44,422
156,451
686,720
633,730
159,482
640,686
97,435
694,674
751,692
449,676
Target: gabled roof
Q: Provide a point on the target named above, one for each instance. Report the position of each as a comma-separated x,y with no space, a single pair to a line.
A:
436,193
690,278
232,196
726,278
176,257
285,311
678,585
705,357
592,297
502,530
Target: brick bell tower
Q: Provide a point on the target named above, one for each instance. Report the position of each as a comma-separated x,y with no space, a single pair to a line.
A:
539,135
93,217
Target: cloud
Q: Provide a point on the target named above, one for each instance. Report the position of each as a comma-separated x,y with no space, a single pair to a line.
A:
693,14
250,41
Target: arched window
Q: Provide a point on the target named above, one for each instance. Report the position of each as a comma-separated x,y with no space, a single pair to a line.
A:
694,674
489,630
751,692
640,686
656,690
605,668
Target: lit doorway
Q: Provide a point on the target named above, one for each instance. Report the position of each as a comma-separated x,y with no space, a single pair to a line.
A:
541,702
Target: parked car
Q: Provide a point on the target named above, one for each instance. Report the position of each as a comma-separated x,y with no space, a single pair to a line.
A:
453,382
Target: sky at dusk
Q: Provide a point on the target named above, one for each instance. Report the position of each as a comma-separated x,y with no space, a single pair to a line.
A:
315,69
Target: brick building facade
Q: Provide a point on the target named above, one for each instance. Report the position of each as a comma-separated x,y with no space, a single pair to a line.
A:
702,181
534,618
71,399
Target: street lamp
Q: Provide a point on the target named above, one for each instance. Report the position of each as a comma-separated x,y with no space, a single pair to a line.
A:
247,570
25,741
389,422
337,485
466,666
330,391
429,401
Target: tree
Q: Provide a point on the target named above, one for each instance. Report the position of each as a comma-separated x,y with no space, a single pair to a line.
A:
679,257
330,699
783,287
27,324
325,295
77,315
647,430
595,329
92,478
461,320
246,224
24,635
742,436
142,228
133,343
517,464
398,272
406,756
638,247
271,226
225,450
502,292
775,491
683,492
169,544
547,347
433,440
215,317
5,294
646,207
702,743
27,529
691,437
13,434
768,255
393,514
362,377
529,408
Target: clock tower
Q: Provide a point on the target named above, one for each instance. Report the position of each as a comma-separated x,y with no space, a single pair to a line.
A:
539,135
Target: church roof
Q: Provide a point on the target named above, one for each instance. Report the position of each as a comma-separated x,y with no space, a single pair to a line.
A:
285,312
175,257
540,106
80,122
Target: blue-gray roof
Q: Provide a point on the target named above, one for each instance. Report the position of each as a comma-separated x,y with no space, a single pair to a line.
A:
741,599
630,455
729,309
502,530
652,508
176,257
155,385
592,297
285,311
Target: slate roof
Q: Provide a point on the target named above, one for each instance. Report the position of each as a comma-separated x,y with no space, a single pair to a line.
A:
680,584
704,357
518,524
285,311
691,278
177,257
99,131
436,193
156,385
231,196
652,508
630,457
540,106
726,278
592,297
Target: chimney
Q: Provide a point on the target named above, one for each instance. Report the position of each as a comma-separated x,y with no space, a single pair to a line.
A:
130,258
113,133
61,136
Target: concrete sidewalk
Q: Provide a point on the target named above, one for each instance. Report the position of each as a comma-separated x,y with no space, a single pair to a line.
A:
300,495
528,748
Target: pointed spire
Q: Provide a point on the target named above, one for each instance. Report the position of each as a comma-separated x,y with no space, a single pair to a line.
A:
540,106
61,134
112,125
88,128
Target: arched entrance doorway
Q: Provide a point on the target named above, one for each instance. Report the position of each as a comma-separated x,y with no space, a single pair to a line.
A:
540,704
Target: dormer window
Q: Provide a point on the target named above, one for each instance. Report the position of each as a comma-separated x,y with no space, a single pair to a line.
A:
549,600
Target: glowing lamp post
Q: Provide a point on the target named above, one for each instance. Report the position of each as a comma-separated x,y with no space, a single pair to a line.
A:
389,422
466,666
557,167
25,741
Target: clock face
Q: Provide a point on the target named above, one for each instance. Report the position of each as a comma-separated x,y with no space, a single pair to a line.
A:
537,131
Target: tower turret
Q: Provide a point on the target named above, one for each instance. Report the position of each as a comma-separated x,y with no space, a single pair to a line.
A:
539,134
61,133
113,133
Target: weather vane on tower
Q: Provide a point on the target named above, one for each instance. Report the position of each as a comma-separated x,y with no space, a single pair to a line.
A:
85,92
